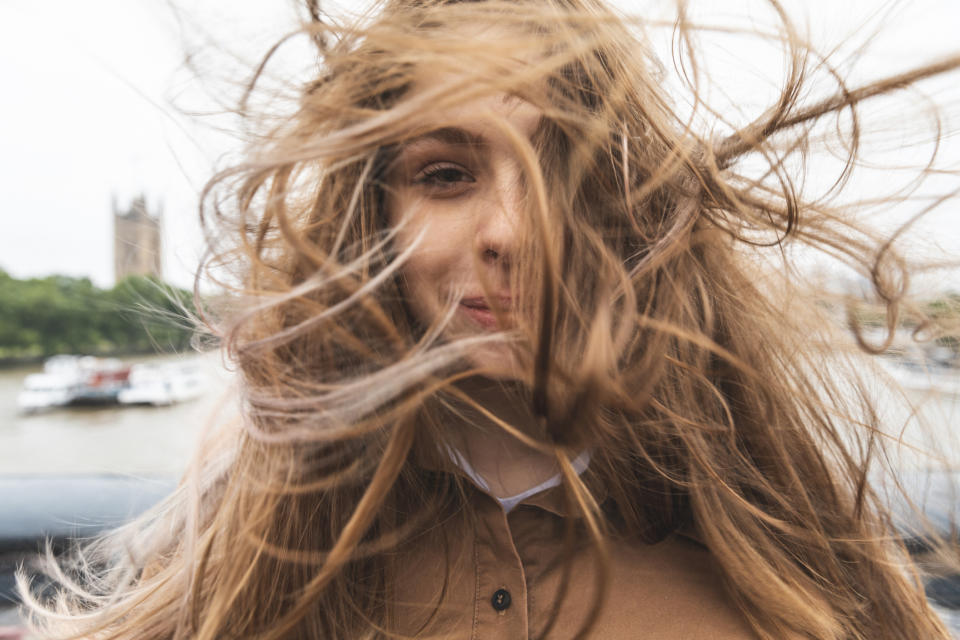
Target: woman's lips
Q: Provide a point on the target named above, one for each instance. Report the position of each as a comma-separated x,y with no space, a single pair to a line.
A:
478,309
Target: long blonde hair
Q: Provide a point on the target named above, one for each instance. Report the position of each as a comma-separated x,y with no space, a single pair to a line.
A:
658,338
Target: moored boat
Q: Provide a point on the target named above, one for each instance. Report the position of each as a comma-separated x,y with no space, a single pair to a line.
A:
922,375
162,384
75,380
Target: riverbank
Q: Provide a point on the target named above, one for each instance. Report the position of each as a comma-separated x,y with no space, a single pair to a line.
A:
36,361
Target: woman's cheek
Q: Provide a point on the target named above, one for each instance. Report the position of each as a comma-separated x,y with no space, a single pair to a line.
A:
427,287
418,291
439,267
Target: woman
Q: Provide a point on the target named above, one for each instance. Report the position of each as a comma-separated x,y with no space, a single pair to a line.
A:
512,367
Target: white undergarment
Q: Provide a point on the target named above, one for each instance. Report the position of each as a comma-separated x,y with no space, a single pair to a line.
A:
580,463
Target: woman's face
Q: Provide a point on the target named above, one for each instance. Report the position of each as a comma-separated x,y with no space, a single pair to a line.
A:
457,193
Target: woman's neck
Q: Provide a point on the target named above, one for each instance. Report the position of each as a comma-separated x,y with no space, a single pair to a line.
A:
506,464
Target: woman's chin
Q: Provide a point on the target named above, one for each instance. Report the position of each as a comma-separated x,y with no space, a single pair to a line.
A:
495,361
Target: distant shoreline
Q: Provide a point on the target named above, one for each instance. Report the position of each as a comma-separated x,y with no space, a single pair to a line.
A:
25,361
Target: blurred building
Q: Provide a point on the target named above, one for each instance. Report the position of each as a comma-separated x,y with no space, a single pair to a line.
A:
136,240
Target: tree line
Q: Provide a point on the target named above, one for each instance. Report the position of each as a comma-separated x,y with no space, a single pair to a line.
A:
41,317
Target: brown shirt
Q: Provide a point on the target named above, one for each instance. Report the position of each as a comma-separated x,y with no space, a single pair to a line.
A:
505,571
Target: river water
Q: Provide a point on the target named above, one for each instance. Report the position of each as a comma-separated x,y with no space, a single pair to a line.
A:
135,440
144,440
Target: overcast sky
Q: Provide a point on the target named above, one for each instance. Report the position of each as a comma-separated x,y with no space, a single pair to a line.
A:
92,92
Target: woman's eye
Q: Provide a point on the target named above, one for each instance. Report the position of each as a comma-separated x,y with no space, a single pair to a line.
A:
444,177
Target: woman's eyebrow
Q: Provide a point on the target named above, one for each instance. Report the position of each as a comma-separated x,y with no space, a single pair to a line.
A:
447,135
455,136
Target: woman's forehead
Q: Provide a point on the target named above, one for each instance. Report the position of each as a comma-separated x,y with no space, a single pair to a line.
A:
482,121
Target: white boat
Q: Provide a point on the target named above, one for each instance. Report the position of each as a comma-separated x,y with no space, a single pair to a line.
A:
68,380
45,390
922,376
162,384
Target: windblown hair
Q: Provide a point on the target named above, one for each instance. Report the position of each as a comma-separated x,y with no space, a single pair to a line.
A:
659,336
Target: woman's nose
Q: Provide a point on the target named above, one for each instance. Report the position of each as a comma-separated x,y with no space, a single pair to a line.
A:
499,223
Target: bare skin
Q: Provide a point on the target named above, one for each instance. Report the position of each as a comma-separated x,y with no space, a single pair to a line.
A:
507,465
458,189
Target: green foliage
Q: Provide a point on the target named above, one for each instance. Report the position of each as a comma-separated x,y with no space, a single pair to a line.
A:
946,307
945,311
41,317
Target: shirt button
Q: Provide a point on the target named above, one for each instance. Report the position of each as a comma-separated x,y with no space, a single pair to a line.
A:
500,600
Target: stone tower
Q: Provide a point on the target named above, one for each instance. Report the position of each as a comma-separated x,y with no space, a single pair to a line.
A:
136,241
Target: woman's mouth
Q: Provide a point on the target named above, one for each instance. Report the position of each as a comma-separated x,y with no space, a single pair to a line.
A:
478,309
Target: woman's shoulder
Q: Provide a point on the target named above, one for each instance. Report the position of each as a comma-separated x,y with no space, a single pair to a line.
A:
671,589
